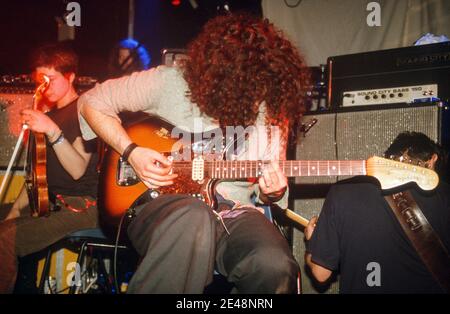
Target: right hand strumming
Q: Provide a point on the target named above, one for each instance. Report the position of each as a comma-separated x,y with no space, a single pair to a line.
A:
152,168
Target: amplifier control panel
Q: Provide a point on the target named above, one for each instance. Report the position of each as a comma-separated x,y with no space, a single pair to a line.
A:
405,94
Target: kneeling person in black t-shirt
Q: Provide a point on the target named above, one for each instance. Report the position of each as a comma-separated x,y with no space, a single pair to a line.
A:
358,235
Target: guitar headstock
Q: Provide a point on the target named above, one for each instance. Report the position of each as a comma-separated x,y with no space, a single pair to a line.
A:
393,173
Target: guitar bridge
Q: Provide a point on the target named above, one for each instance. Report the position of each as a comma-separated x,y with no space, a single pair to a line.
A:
125,174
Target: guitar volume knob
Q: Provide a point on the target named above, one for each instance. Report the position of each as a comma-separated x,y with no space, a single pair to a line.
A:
154,194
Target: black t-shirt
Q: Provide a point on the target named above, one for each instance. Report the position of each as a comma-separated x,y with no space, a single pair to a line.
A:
357,227
58,179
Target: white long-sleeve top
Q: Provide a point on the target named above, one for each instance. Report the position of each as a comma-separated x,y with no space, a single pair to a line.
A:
163,92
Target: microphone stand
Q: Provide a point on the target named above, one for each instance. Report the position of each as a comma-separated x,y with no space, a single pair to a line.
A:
13,158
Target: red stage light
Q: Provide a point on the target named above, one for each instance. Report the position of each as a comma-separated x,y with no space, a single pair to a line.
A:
176,2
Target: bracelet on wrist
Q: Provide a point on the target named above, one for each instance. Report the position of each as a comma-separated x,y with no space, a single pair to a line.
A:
58,140
307,245
126,153
273,199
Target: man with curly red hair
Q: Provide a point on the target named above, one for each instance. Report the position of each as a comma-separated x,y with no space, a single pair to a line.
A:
240,72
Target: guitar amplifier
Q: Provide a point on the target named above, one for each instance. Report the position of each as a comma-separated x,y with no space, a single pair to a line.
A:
16,94
12,101
349,134
392,75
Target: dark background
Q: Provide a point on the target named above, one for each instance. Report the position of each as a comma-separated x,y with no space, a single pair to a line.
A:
158,24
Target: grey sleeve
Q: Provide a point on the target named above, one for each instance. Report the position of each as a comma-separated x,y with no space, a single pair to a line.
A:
282,203
140,91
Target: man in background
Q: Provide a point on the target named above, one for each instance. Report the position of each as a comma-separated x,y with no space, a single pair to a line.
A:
357,231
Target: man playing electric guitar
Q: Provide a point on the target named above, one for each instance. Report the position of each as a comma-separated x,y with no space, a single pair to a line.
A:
240,72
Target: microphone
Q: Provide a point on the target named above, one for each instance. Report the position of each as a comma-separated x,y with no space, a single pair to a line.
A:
40,91
44,84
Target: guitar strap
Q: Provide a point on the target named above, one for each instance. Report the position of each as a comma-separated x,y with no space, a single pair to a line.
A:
422,235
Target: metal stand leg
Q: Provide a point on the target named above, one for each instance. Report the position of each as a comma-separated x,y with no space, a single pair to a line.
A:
13,159
45,270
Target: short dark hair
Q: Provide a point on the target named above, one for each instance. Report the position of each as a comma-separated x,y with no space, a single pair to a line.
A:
139,55
55,55
418,146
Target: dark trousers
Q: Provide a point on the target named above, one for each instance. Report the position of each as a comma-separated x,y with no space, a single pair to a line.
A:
181,242
25,235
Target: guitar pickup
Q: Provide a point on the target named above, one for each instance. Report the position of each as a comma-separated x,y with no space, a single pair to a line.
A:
125,174
198,165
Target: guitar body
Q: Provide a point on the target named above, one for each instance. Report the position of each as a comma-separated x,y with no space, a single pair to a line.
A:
36,176
117,196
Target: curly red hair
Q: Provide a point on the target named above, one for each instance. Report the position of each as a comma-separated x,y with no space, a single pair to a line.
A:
237,62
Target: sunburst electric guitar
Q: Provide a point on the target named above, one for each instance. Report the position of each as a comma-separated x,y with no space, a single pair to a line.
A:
120,188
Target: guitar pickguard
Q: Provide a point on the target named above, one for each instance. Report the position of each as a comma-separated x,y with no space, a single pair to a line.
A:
126,176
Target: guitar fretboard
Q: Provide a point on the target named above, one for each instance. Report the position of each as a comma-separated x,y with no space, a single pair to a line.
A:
237,169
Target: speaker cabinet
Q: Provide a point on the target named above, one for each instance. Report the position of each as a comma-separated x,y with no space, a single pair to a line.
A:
352,135
12,102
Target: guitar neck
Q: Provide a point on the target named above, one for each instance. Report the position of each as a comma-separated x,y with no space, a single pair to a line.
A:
237,169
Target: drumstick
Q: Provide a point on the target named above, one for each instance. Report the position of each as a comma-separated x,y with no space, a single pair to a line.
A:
296,217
